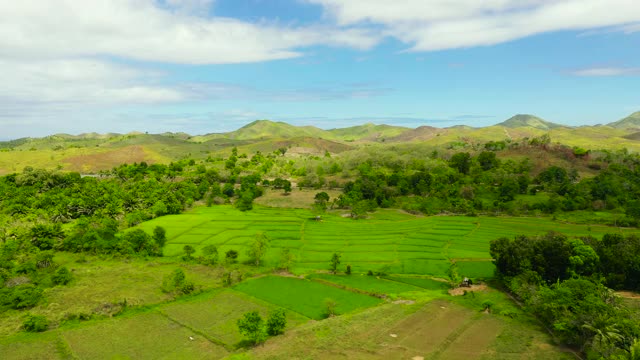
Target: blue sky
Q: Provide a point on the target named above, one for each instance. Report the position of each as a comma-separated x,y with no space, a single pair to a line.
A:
202,66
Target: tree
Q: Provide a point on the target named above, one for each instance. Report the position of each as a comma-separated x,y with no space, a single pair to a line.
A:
231,256
330,307
335,261
286,259
210,253
287,187
258,248
160,236
320,203
461,162
177,282
245,202
488,160
188,252
251,326
276,322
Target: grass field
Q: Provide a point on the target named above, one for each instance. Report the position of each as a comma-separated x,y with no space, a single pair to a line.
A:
440,329
100,283
367,283
215,316
304,296
390,240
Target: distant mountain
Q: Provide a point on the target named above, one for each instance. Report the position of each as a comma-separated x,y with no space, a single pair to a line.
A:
368,131
630,122
266,129
525,120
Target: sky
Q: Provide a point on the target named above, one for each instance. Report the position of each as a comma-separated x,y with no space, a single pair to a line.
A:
203,66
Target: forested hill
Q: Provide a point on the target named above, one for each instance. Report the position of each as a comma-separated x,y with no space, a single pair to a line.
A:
92,152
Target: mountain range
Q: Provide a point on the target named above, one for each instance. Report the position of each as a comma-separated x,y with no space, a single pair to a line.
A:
91,151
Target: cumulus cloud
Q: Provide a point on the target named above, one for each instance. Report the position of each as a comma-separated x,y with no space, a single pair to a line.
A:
449,24
144,30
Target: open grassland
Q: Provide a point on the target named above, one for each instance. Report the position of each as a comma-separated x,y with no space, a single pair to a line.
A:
215,316
33,347
441,329
146,336
304,296
196,327
389,241
297,198
100,284
437,326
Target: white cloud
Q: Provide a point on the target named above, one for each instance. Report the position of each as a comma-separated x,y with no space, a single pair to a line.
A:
448,24
79,81
606,71
149,31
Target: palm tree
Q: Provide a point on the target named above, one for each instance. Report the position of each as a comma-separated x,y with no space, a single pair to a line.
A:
604,332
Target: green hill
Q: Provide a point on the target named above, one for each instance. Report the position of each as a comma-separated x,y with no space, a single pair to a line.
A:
525,120
630,122
266,129
368,131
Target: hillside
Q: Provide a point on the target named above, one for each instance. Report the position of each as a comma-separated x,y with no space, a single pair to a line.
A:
92,152
266,129
368,131
630,122
525,120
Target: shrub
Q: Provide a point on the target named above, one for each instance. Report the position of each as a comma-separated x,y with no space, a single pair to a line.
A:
177,281
20,297
330,306
35,323
276,322
210,253
252,327
188,252
62,276
231,256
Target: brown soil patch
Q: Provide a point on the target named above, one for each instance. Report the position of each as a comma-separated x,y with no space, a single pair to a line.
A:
405,302
628,295
460,291
106,160
474,341
423,332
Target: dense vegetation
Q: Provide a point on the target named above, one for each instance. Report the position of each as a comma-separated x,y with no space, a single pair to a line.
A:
564,283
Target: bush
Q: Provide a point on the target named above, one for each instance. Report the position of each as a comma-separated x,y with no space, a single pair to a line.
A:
35,323
231,256
62,276
276,322
177,282
330,307
252,327
20,297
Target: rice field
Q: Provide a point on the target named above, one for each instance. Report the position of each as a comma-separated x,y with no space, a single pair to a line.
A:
389,241
305,297
369,284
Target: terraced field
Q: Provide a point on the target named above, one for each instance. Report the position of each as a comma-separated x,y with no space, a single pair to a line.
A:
390,241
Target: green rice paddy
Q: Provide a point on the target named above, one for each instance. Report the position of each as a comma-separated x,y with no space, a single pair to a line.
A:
304,296
389,241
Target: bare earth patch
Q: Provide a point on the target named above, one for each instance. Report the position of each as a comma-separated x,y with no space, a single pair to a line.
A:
460,291
628,294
